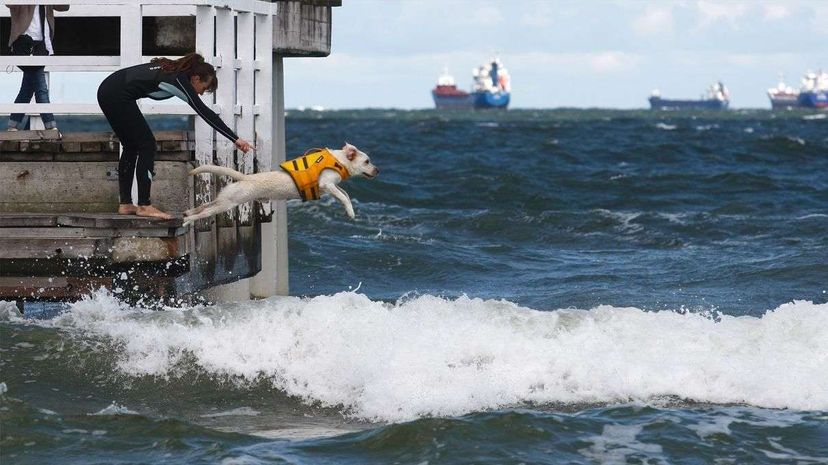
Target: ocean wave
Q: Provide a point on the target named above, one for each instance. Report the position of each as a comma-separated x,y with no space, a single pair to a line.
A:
431,356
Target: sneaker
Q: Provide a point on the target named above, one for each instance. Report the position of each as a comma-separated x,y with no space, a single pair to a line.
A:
11,129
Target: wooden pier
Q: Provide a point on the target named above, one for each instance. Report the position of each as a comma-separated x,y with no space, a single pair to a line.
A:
60,237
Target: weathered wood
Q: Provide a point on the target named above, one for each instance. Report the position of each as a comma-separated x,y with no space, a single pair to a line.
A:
85,187
50,247
74,245
302,29
91,147
113,220
53,231
27,220
9,146
170,144
46,134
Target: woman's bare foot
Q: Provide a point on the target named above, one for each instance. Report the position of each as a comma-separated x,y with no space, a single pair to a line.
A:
127,209
152,212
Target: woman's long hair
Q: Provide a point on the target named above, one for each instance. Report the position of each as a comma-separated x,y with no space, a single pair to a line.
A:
191,64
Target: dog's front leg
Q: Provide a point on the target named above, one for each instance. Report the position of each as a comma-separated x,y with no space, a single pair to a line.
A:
342,196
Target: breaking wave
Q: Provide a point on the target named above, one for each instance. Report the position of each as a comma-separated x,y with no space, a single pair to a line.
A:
431,356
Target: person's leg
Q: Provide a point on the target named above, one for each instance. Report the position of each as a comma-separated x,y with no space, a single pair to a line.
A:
41,92
126,170
145,170
138,156
24,96
121,114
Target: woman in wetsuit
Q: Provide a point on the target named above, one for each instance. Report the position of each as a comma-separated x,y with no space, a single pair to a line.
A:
162,78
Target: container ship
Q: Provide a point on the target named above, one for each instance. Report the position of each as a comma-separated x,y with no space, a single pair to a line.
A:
491,88
717,98
783,96
814,91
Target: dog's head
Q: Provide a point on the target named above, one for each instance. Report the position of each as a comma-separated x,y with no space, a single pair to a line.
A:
358,162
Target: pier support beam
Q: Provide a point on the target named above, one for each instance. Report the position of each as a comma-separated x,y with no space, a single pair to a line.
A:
273,279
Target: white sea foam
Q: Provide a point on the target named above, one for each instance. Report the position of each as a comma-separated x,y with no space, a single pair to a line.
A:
617,443
432,356
236,412
666,127
114,409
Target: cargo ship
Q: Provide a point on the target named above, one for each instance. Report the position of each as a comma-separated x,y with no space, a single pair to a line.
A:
814,91
491,89
447,95
783,96
717,98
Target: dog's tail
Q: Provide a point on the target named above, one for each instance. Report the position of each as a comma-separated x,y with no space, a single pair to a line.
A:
219,170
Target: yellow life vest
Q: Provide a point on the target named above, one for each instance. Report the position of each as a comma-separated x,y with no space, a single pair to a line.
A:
306,169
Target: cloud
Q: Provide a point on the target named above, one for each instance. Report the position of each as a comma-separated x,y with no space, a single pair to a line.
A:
775,11
712,12
575,63
610,62
538,15
820,18
486,16
655,20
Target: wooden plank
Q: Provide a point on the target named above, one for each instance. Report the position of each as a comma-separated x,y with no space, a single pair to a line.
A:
9,146
88,186
115,221
27,220
50,134
17,155
204,133
96,232
51,247
103,136
85,157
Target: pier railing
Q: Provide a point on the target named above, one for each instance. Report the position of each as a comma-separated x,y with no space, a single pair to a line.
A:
237,37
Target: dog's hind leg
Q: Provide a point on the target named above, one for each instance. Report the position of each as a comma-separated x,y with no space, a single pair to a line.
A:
196,210
210,209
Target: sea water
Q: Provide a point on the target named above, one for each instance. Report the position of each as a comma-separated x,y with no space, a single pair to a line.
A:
550,287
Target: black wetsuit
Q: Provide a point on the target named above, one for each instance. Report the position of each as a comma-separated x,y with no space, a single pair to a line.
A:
117,97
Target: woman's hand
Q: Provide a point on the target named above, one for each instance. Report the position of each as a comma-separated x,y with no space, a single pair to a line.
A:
244,146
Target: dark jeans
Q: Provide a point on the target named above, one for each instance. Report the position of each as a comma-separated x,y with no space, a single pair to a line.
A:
34,83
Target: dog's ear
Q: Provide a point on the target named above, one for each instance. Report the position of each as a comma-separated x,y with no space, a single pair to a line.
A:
350,151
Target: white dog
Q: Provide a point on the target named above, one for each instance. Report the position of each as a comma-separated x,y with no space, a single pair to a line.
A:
303,178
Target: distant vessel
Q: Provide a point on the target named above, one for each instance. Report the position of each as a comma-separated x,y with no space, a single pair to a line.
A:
491,88
447,95
717,98
814,91
783,96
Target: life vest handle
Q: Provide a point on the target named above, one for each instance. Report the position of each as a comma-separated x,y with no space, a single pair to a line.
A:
314,150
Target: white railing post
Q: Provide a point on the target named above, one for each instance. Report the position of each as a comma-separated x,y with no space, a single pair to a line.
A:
236,36
204,133
225,94
280,206
244,95
270,280
131,38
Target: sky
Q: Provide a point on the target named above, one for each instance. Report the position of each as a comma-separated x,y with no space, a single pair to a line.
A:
582,53
574,53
